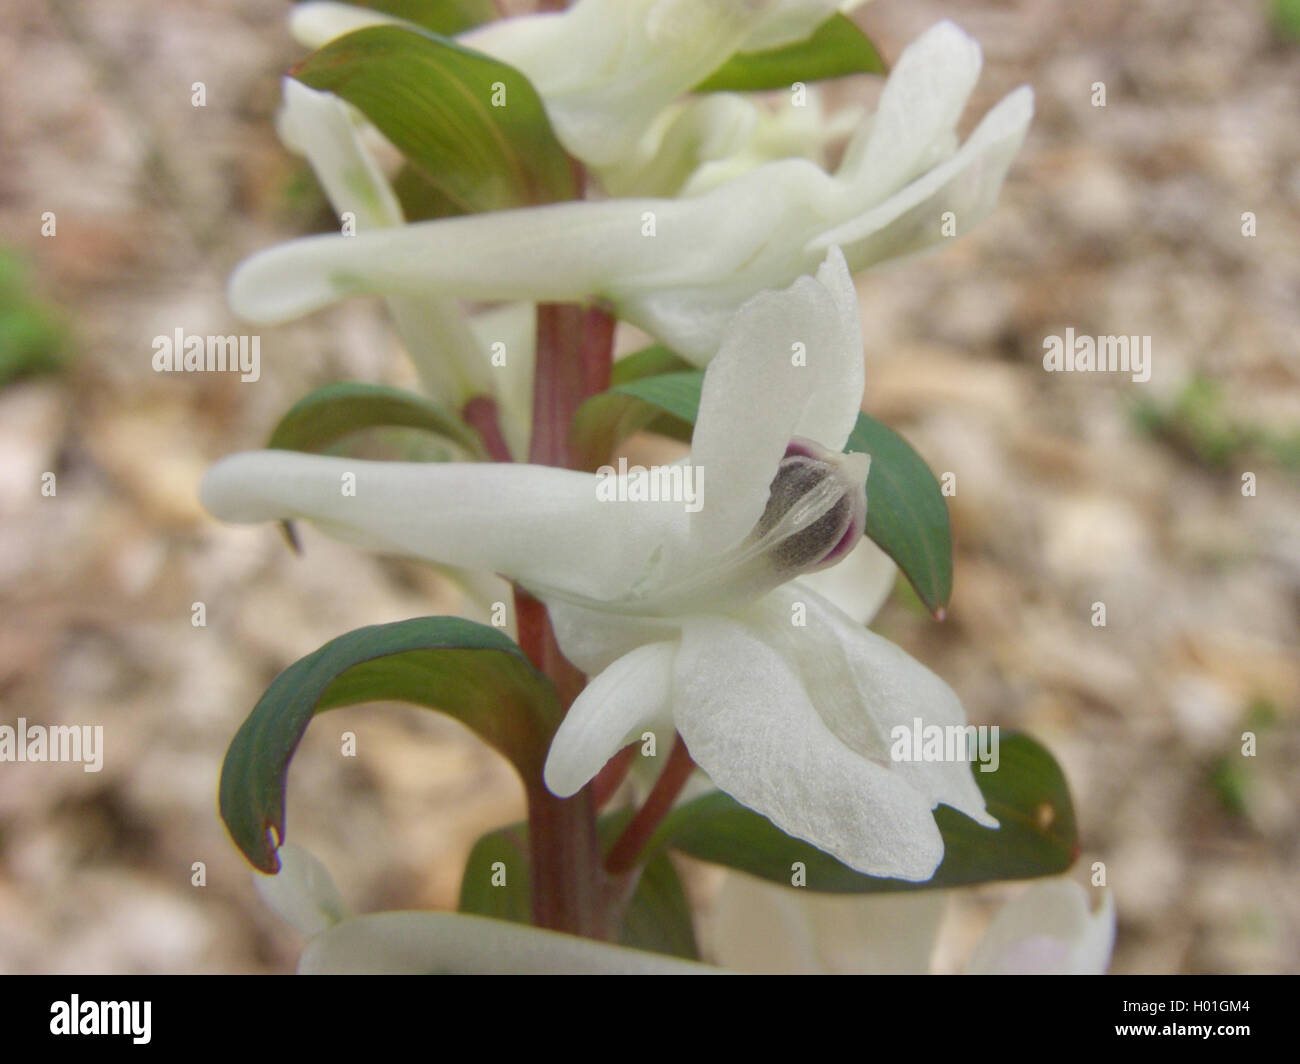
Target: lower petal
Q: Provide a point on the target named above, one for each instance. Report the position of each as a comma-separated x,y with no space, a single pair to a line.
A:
747,720
864,687
629,697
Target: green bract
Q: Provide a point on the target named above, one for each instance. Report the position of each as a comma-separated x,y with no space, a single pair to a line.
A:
468,671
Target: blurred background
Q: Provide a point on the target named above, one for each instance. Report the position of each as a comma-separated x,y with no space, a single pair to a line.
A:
1071,488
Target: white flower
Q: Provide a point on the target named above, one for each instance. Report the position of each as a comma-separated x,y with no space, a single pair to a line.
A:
693,620
680,268
704,141
417,943
605,69
451,362
449,349
1047,929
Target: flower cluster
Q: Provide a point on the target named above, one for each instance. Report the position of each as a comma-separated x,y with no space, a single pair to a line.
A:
728,626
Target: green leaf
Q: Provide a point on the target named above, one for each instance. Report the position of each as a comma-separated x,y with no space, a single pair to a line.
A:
481,891
657,917
1028,795
677,393
836,48
328,414
466,670
604,421
421,200
650,361
435,101
906,514
441,16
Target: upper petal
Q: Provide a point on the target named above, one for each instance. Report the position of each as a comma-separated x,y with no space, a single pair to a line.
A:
747,720
920,104
544,527
790,365
966,184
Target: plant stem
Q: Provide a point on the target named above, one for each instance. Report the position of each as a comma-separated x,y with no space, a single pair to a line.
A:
537,639
569,887
628,847
481,414
574,356
610,778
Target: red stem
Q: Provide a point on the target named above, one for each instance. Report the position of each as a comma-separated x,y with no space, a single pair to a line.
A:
568,889
610,778
480,414
574,346
537,639
622,856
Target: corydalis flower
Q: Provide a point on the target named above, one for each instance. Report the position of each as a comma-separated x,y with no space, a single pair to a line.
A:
328,133
448,348
680,268
415,943
693,620
605,69
703,141
1047,929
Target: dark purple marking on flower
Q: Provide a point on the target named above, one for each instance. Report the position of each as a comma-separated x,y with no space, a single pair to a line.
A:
803,471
